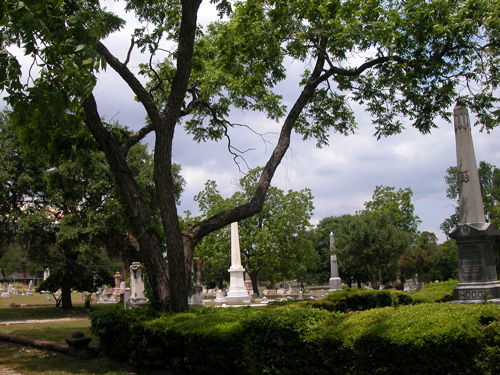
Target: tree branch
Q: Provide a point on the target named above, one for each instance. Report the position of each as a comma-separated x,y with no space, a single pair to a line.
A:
359,70
197,232
132,43
142,94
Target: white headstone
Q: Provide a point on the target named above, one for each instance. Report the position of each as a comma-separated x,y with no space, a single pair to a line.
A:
237,290
335,282
30,289
219,298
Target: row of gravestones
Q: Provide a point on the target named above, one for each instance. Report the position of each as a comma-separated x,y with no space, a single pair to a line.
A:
10,290
131,297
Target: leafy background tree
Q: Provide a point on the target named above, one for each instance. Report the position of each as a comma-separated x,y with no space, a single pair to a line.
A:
420,260
447,264
66,214
274,243
373,240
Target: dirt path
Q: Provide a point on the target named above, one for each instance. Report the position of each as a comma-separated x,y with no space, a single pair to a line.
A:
6,371
40,321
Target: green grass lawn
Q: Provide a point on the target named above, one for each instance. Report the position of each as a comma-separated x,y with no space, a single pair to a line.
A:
51,331
30,361
36,299
55,331
38,308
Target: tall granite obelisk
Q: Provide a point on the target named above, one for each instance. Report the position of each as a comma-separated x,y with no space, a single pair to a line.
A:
335,282
237,290
477,273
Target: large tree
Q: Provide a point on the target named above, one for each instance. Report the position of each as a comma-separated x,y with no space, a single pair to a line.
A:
349,270
402,59
375,238
420,261
370,241
274,243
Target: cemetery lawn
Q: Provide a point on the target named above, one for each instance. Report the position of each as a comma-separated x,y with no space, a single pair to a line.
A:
47,327
31,361
37,308
55,331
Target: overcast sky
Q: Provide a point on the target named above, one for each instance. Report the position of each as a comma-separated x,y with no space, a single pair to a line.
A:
341,176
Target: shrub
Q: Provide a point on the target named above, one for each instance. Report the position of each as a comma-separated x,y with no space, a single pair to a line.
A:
203,341
363,299
119,329
435,292
212,340
422,339
433,338
276,341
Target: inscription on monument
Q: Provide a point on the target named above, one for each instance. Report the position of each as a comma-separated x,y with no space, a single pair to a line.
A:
470,294
464,176
471,263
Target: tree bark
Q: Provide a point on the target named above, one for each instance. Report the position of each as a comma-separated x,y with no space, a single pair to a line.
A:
146,236
66,293
255,282
179,251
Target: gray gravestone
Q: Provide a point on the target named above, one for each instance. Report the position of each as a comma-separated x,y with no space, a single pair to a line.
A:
477,273
196,298
335,282
137,297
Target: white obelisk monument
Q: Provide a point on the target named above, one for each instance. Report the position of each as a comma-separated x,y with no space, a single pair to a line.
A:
478,279
237,290
335,282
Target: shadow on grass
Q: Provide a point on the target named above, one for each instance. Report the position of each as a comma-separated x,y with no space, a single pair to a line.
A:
51,331
8,314
30,361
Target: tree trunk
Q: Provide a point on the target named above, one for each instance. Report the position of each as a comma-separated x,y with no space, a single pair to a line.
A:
66,293
179,251
149,244
255,282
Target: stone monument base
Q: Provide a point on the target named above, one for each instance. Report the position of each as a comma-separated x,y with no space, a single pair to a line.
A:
477,292
478,281
335,284
237,291
219,298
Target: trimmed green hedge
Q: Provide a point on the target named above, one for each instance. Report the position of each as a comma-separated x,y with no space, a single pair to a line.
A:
435,292
422,339
204,340
364,299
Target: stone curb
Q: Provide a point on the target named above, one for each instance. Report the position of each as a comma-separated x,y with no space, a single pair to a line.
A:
42,344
